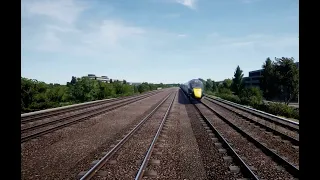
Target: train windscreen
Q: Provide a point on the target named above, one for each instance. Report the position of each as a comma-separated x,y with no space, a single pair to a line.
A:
196,84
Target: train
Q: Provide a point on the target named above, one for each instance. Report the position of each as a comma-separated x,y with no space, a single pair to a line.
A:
193,88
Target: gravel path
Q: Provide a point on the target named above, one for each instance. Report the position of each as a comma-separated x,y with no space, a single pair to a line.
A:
279,128
127,160
179,158
66,152
261,164
284,148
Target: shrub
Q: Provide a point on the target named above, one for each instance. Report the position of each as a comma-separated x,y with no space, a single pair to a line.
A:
224,90
251,96
281,109
230,97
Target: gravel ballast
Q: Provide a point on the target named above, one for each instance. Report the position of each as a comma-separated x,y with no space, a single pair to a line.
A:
81,112
270,124
213,162
127,160
261,164
284,148
179,158
64,153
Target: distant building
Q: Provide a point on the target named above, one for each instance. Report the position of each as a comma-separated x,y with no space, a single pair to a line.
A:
102,78
253,80
135,83
219,82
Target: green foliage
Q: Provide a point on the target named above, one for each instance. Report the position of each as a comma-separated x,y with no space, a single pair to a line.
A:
279,109
143,87
280,79
268,79
251,96
230,97
227,83
208,85
223,90
237,84
37,95
288,78
255,101
214,86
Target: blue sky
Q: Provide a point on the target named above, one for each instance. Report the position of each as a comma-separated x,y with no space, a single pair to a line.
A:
169,41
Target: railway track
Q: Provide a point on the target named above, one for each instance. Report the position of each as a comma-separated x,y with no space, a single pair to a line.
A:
35,116
220,159
263,162
286,147
46,127
129,158
260,115
286,132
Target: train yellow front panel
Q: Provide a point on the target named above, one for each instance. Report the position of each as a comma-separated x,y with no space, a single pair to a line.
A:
197,92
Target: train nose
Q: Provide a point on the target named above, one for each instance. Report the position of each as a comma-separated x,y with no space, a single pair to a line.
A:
197,92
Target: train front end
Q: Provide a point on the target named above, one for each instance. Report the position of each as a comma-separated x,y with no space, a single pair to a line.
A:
196,89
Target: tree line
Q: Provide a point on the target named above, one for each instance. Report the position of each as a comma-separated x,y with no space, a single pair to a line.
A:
279,81
37,95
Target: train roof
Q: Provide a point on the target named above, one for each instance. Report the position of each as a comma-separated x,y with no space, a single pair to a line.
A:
195,80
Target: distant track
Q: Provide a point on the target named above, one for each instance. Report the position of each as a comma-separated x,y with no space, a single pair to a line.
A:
34,116
47,127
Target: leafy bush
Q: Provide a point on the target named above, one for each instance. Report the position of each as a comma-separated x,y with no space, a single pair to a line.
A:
279,109
251,96
230,97
223,90
37,95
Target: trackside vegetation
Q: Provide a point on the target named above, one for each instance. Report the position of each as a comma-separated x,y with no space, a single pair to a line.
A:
36,95
279,82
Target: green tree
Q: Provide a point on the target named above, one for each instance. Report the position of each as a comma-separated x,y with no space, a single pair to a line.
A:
203,82
268,79
288,75
251,96
227,83
237,83
73,80
143,87
208,86
135,89
37,95
214,86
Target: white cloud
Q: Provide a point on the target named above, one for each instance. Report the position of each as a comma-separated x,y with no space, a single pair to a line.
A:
188,3
66,11
114,39
60,33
